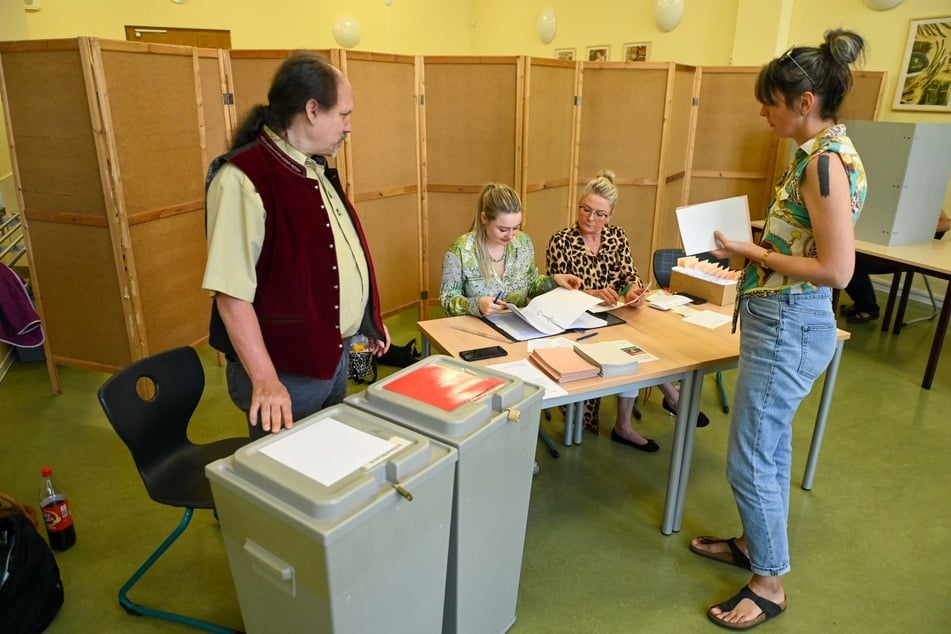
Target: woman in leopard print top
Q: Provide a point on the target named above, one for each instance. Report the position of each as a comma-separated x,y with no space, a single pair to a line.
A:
600,254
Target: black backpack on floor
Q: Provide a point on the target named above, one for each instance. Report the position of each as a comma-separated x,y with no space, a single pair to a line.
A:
31,591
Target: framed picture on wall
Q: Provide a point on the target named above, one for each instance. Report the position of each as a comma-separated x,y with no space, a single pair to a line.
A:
925,79
636,51
601,53
565,53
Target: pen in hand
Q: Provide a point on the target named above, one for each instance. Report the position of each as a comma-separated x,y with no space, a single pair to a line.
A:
588,336
498,296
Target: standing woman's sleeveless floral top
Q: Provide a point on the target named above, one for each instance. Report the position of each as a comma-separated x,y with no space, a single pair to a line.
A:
788,228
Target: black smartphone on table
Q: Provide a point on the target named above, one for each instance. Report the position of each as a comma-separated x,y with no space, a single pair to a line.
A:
479,354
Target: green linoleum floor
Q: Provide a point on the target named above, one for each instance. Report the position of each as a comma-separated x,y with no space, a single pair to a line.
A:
869,542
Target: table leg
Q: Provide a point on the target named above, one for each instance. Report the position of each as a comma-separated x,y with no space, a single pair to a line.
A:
579,421
890,304
569,424
822,417
677,455
941,329
903,302
427,348
693,409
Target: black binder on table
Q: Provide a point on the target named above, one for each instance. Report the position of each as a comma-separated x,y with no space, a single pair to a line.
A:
514,328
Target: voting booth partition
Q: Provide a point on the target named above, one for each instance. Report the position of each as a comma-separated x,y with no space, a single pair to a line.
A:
383,170
636,119
340,524
472,127
908,166
491,420
110,191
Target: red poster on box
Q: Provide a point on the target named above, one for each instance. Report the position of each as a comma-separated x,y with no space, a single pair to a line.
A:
442,387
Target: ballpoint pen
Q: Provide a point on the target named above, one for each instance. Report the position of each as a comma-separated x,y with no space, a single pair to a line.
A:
498,296
588,336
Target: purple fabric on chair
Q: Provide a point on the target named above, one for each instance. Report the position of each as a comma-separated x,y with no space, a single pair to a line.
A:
19,321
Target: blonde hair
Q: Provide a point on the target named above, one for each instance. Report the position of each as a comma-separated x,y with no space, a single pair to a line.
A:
602,185
495,199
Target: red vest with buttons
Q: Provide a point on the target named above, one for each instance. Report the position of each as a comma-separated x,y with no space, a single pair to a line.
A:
297,300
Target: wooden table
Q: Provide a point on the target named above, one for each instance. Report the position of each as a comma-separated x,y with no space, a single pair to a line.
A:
685,352
932,257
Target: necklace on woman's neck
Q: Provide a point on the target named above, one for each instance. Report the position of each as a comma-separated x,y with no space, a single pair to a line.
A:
500,258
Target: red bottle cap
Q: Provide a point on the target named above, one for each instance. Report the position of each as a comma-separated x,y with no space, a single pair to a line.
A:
47,472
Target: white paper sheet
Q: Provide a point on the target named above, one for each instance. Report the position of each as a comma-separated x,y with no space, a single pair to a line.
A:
328,450
708,319
730,216
556,311
527,372
519,329
663,300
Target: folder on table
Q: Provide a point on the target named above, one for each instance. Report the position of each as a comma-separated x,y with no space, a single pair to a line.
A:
563,364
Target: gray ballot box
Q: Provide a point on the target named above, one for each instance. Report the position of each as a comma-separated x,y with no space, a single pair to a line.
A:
491,418
339,524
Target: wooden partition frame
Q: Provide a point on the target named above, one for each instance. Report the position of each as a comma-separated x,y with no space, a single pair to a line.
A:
382,168
678,155
549,148
735,150
116,233
626,125
471,134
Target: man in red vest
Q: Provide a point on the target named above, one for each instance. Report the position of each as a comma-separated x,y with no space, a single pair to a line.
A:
288,262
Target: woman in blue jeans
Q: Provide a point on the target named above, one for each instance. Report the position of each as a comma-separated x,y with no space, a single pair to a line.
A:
787,327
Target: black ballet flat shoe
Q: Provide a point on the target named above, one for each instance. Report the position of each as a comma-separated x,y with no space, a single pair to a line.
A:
650,446
702,419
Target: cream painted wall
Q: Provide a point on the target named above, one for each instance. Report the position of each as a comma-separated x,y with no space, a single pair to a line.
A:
407,26
885,33
761,30
508,27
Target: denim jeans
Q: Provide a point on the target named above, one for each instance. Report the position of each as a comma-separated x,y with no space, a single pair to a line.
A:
308,395
786,341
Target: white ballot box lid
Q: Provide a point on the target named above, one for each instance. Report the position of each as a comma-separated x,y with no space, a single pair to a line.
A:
330,465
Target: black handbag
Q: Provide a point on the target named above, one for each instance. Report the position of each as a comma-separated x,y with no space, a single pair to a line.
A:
31,590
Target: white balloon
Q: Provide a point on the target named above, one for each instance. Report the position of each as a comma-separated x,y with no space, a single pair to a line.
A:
547,25
882,5
347,31
667,14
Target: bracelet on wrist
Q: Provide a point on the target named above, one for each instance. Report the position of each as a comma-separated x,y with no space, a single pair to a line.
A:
765,257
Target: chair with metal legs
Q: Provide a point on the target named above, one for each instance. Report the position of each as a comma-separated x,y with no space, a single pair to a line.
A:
150,404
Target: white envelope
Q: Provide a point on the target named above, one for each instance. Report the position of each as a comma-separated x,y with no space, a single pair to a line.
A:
730,216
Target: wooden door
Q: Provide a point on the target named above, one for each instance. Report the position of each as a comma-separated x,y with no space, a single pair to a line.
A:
207,38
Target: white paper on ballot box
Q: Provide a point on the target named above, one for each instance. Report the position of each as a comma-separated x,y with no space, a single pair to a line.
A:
329,450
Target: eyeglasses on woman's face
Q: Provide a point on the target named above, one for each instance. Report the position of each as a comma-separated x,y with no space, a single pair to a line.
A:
598,213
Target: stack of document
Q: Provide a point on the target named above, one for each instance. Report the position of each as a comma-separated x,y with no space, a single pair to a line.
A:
613,357
563,364
558,310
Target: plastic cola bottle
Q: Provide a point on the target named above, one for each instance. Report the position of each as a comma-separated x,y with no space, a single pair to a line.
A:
56,514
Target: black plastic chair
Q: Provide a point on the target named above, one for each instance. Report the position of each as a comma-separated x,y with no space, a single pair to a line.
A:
664,261
150,404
